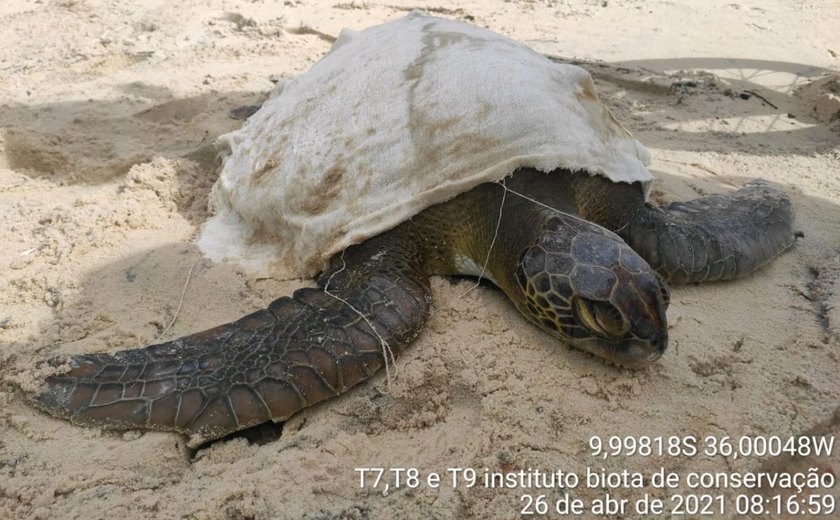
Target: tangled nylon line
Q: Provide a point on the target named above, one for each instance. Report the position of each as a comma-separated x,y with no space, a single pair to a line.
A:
387,352
180,300
546,206
507,190
489,249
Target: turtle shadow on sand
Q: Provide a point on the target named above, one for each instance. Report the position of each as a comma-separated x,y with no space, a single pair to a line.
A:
746,73
97,141
718,104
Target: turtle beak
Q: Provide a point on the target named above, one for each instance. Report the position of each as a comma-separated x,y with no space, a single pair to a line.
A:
633,353
639,353
647,337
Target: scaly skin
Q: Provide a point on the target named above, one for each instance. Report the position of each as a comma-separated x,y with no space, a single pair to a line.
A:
713,238
571,277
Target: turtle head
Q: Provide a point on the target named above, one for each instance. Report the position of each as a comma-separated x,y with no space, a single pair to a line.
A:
584,285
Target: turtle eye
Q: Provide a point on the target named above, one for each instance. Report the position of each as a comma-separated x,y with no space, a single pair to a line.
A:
602,318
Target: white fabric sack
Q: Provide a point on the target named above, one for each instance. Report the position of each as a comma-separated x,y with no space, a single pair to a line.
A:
394,119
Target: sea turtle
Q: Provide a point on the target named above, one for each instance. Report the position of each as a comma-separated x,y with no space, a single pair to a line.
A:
396,185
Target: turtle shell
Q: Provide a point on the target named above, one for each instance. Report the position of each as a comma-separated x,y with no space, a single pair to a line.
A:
393,119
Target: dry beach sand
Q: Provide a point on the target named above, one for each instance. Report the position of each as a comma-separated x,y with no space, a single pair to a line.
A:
108,113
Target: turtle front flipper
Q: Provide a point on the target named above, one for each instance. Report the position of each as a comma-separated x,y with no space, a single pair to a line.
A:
716,237
265,366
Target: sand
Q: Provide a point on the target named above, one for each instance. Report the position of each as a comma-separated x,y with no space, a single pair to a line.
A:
108,114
